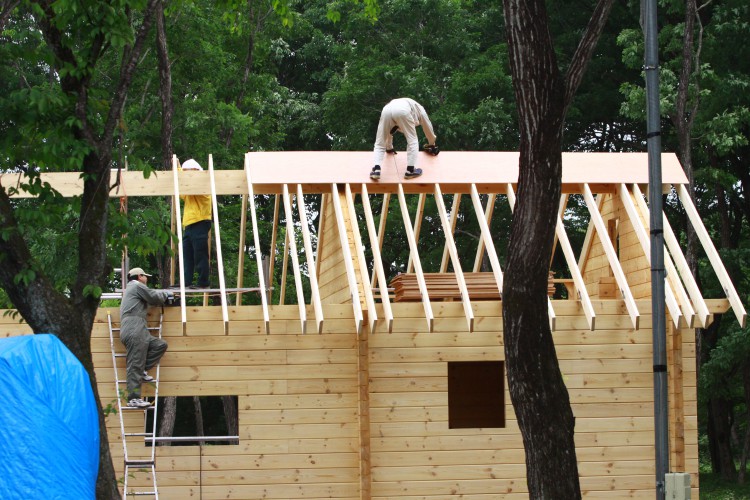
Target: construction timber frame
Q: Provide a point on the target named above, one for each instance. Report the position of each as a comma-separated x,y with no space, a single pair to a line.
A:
347,394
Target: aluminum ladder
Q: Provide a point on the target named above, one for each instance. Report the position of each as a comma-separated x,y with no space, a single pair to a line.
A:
142,460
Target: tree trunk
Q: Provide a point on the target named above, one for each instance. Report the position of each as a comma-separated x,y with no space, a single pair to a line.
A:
198,417
42,307
746,441
230,416
719,441
540,398
165,88
166,427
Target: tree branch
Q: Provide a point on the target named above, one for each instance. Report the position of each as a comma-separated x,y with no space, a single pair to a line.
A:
586,48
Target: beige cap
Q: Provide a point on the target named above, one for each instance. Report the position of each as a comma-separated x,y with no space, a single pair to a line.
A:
191,165
137,271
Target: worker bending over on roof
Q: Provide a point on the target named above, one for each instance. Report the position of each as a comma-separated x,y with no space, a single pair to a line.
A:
403,115
143,350
196,222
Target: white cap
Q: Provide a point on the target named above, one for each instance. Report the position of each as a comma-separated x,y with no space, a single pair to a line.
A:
191,165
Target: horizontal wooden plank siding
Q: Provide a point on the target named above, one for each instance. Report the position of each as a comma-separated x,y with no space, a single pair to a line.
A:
300,404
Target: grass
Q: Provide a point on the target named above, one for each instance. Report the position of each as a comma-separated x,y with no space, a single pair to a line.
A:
715,488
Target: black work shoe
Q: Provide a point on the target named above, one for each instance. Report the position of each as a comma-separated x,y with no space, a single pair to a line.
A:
411,174
375,174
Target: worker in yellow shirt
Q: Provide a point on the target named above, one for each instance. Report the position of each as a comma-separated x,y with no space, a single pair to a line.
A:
196,222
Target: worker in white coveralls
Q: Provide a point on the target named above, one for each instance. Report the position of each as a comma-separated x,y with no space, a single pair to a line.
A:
143,349
403,115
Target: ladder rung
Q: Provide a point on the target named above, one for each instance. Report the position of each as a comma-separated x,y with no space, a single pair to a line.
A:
153,328
140,493
120,354
125,407
139,463
137,434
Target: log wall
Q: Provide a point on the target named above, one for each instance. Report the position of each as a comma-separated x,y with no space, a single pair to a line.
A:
300,401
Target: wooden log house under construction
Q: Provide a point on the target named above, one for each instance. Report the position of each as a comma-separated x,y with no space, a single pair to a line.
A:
395,389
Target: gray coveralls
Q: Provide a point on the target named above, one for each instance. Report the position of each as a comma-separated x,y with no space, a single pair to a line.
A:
406,114
143,349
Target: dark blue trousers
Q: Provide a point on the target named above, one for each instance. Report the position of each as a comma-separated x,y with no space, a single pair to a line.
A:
195,250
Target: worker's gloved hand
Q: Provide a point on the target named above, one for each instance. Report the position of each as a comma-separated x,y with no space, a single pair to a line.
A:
431,149
391,151
171,301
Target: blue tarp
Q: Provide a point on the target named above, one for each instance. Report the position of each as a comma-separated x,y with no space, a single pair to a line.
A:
49,426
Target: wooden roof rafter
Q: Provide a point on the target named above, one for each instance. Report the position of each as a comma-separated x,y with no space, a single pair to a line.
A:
217,235
429,315
713,255
295,258
344,239
676,311
378,271
454,258
575,271
611,254
256,241
372,314
311,267
702,313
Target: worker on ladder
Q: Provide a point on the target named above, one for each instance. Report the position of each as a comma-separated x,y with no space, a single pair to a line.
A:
143,350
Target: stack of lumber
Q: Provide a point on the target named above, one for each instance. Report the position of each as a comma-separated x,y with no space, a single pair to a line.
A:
443,286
